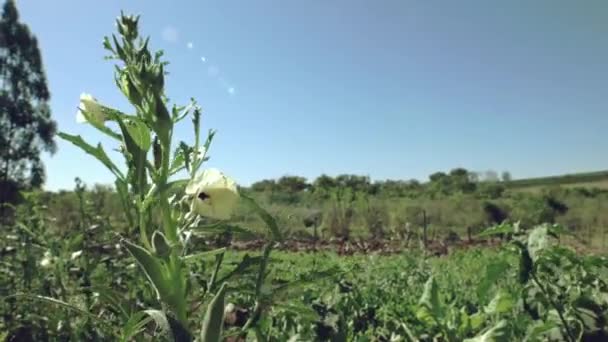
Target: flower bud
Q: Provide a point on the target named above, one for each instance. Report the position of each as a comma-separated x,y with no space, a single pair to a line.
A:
90,111
127,26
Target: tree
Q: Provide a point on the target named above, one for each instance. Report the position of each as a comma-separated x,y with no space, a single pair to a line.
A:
26,127
506,176
264,185
292,184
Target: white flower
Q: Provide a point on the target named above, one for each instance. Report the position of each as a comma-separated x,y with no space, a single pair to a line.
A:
215,195
90,110
47,259
76,255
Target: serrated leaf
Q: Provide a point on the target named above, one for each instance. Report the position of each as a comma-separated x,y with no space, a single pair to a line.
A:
139,132
98,152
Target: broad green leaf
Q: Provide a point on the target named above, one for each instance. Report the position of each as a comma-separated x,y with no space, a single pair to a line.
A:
477,320
501,303
213,322
153,269
539,240
139,132
538,331
97,152
430,307
498,333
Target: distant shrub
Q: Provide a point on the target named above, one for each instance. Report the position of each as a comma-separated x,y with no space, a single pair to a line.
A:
374,215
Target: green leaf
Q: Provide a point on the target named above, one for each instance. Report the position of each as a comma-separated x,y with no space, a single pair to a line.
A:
539,240
493,272
140,134
526,265
540,329
497,333
160,245
135,325
501,303
303,311
97,152
153,269
503,228
35,238
430,307
477,320
213,322
178,161
265,216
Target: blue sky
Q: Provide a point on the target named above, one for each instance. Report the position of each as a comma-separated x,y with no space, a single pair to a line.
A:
389,89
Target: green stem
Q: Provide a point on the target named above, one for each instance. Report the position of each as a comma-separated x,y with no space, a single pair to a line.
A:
143,229
555,306
218,262
257,310
168,225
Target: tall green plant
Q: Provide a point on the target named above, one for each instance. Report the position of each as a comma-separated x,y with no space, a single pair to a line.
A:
163,209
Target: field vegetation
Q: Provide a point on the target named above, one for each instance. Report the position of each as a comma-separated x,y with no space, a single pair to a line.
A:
175,251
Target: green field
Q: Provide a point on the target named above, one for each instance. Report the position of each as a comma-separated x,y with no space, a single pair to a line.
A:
597,179
175,251
534,291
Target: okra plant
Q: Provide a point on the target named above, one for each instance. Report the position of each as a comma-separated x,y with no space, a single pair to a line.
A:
162,208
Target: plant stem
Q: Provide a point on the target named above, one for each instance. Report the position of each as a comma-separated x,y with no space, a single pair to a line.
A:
554,304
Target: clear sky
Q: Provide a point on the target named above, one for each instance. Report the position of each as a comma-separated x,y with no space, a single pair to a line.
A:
390,89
